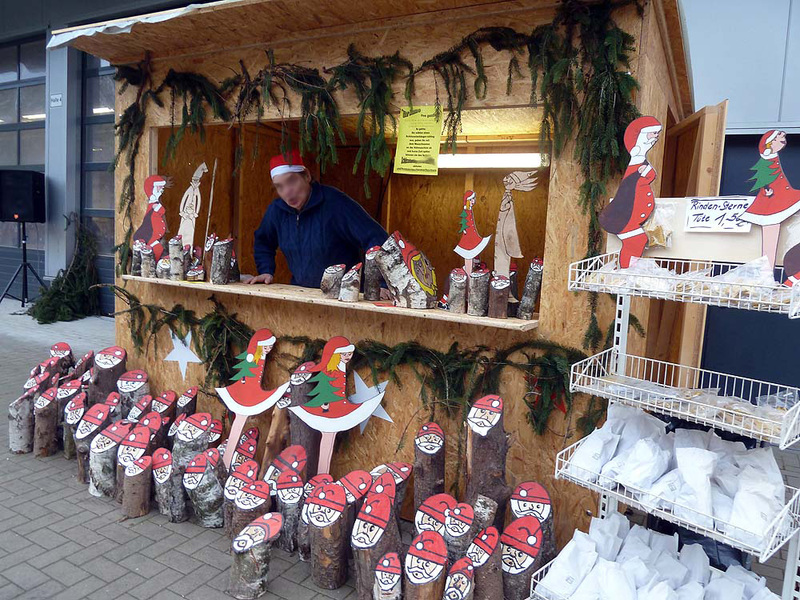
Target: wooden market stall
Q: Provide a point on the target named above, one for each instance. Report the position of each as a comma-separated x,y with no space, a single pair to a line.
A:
218,39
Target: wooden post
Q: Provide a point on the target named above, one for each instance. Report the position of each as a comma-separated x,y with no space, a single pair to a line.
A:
374,533
457,294
148,262
132,385
300,433
530,293
176,270
289,494
532,499
388,578
460,584
327,531
103,458
499,287
241,476
21,424
351,283
251,556
429,454
138,484
93,421
520,547
486,557
303,537
221,261
409,289
372,275
109,365
332,281
487,446
205,491
425,567
191,438
163,268
162,481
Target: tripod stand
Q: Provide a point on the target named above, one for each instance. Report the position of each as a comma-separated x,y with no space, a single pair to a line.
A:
23,268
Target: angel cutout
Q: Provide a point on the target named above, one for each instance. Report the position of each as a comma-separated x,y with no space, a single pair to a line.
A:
245,396
506,239
190,206
471,243
328,410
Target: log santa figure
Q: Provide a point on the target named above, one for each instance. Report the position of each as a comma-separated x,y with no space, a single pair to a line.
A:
154,225
471,243
246,397
634,202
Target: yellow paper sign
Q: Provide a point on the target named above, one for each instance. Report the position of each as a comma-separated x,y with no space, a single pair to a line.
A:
419,133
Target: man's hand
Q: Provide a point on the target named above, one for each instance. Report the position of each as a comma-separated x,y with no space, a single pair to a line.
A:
263,278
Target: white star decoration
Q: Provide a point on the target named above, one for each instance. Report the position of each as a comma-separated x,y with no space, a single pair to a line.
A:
364,393
182,352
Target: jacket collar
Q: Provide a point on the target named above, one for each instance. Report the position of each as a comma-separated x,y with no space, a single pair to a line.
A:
315,199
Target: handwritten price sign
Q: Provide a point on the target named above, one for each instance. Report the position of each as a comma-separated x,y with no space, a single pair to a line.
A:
718,214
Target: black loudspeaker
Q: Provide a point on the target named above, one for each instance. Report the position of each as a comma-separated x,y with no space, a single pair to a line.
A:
22,196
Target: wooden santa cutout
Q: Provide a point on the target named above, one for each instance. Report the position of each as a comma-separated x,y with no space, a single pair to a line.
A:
251,557
162,481
190,206
432,513
408,273
187,401
424,568
154,225
634,201
532,499
356,485
486,555
246,448
251,501
289,494
109,366
103,457
241,475
374,533
521,542
459,584
471,243
506,239
458,524
303,538
131,386
388,578
246,396
291,459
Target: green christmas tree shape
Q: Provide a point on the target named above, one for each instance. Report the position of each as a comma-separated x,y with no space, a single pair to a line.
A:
765,174
324,391
463,224
245,367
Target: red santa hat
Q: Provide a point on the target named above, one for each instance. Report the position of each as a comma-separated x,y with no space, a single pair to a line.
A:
198,464
112,399
531,491
492,403
246,471
764,149
291,163
335,345
118,430
212,454
262,337
152,182
96,414
468,195
60,349
376,510
389,563
463,512
135,375
292,458
437,506
430,546
216,429
288,480
430,428
384,485
161,458
200,420
143,462
271,523
329,495
78,402
486,540
523,534
636,128
464,566
357,483
259,489
114,351
152,421
174,427
139,437
168,397
400,469
315,481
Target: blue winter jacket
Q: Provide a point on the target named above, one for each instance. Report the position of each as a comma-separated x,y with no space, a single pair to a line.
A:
332,228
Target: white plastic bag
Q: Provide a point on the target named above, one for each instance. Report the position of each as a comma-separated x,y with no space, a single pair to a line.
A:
658,591
639,426
664,491
570,567
694,500
754,508
696,561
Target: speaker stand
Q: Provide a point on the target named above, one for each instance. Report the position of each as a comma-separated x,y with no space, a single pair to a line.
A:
22,268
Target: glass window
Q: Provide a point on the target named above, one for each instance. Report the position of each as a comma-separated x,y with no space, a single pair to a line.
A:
103,229
98,143
31,146
99,190
31,103
8,64
8,106
92,62
8,148
32,60
99,96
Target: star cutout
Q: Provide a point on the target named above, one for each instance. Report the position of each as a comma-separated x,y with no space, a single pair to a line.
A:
182,352
364,393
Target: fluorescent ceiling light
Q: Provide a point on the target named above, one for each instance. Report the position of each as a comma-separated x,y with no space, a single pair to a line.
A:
102,110
34,117
511,160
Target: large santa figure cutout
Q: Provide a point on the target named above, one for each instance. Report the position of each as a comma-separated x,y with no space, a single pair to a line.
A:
634,201
471,243
154,225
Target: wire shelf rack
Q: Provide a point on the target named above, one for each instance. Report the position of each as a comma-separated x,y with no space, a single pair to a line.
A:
785,524
680,280
697,395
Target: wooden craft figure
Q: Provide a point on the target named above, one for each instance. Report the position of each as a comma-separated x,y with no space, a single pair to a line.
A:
303,539
432,513
634,201
83,364
66,392
351,284
113,402
372,521
162,481
109,365
251,501
372,275
374,533
187,401
356,484
485,553
190,206
400,473
73,412
457,297
190,439
459,583
328,535
388,578
103,458
21,423
429,455
471,243
62,350
521,541
131,386
45,413
173,427
134,445
215,432
506,239
154,225
325,504
251,557
530,293
531,498
328,410
289,495
484,414
246,397
776,200
292,459
158,427
138,484
240,477
408,273
384,484
331,283
204,489
245,450
425,564
457,525
164,404
140,408
94,420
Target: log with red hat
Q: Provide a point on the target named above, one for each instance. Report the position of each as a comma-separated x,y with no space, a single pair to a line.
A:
291,459
486,555
139,442
138,485
431,514
204,488
191,438
374,533
521,544
300,433
289,493
331,283
388,583
45,429
429,455
303,538
240,476
459,529
459,584
187,402
131,386
93,421
530,498
140,407
408,273
73,411
425,564
251,500
328,534
251,557
109,366
103,458
162,482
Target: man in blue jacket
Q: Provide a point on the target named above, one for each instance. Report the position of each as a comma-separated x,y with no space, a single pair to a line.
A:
314,225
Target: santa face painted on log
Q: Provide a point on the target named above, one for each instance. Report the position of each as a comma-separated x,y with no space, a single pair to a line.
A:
291,459
164,402
244,474
111,436
139,465
109,357
60,350
69,389
371,521
388,571
289,487
75,409
162,465
252,495
187,397
130,381
430,438
133,446
262,529
459,520
384,484
426,558
176,424
521,542
356,484
530,498
432,513
45,398
215,431
193,426
483,546
325,504
141,407
485,414
91,421
459,581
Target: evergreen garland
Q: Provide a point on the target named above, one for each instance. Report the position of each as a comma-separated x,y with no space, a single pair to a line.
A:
72,294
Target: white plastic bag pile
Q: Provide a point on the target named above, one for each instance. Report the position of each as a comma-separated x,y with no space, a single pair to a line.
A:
618,562
694,474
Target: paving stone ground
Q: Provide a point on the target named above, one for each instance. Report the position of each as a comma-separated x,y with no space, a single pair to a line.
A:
57,541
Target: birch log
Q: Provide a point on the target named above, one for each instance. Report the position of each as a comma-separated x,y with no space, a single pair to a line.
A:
425,567
205,491
221,261
21,424
241,476
251,501
329,536
530,293
530,498
163,268
349,289
251,557
520,543
148,262
176,262
138,485
478,295
191,439
460,582
289,495
73,413
303,537
93,421
332,281
109,365
136,258
103,458
457,295
374,534
300,433
162,482
372,275
408,273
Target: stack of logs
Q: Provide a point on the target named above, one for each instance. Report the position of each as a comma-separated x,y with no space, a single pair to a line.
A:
482,294
184,263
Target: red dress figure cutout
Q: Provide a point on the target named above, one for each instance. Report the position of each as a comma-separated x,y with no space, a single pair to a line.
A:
634,201
471,243
776,200
154,225
246,397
